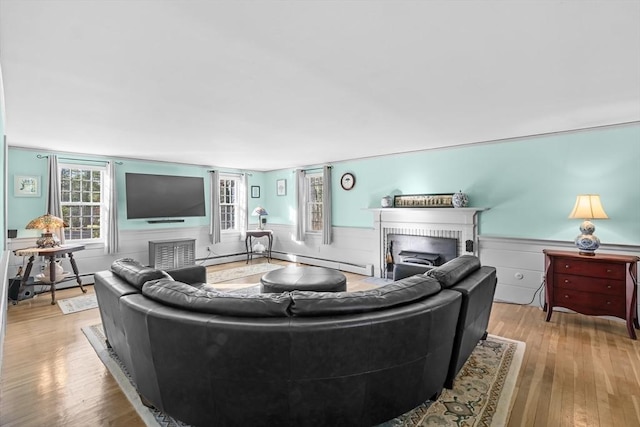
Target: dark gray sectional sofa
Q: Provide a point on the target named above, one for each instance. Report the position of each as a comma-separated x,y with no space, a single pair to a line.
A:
297,358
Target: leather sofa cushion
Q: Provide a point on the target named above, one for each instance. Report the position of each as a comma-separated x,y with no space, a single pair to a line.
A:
309,303
191,274
135,273
452,272
182,295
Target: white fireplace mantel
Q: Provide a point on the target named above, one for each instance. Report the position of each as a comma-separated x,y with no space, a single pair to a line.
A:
458,223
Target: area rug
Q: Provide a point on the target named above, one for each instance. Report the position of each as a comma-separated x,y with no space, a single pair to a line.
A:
239,272
482,394
75,304
378,281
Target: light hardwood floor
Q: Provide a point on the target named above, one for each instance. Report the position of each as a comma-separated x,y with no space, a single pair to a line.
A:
577,370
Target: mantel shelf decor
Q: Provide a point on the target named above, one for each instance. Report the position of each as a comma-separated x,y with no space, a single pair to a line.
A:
423,200
428,209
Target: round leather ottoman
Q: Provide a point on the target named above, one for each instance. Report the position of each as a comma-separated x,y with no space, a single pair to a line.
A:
303,279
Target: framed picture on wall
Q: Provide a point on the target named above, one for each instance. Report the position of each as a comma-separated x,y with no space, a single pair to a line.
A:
26,186
255,191
423,201
281,187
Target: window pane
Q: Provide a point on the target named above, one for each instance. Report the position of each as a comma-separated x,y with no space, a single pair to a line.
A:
228,204
314,203
227,217
81,202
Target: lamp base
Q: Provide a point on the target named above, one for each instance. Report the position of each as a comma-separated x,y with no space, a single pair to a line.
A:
48,240
587,242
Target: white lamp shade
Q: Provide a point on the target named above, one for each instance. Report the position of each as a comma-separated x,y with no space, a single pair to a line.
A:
588,206
259,211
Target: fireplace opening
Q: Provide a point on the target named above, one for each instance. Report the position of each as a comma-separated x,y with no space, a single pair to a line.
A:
421,252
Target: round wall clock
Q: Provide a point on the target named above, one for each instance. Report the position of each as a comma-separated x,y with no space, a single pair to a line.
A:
347,181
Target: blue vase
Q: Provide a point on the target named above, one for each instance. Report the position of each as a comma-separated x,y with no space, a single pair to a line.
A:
460,200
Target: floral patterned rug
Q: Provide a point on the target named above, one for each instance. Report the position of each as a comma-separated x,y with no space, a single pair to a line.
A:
239,272
482,392
481,396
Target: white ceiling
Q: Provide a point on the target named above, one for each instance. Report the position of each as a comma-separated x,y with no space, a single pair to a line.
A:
266,85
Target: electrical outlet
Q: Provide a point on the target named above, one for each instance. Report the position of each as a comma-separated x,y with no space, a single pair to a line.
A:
208,249
42,267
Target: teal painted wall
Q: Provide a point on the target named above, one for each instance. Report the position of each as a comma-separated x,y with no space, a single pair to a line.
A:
156,168
281,208
24,209
529,184
257,179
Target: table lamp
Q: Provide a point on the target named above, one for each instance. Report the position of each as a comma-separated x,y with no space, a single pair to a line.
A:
588,207
48,223
260,212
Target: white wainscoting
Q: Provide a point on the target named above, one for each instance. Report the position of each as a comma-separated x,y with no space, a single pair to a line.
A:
353,249
520,265
519,262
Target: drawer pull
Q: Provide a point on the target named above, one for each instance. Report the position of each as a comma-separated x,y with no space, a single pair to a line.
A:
609,270
608,302
566,266
566,280
566,296
608,286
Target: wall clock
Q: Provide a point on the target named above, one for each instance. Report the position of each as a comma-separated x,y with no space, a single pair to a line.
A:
348,181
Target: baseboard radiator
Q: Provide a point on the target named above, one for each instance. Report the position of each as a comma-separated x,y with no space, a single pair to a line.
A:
365,270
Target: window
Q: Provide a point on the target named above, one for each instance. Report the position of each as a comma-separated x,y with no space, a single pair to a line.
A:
229,203
82,201
314,202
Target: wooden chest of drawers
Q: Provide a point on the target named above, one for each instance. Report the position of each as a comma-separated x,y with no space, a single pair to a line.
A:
598,285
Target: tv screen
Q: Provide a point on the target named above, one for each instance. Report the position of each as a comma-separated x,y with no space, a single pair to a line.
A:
164,196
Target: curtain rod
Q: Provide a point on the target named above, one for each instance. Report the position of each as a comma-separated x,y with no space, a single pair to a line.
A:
312,169
232,173
40,156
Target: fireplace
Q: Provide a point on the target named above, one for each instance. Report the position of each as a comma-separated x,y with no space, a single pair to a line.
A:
457,224
420,251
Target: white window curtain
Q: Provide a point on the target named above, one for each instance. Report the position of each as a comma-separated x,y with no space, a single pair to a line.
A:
326,206
243,203
300,204
54,207
214,221
112,242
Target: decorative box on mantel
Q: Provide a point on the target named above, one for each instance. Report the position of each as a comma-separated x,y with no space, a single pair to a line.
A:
454,223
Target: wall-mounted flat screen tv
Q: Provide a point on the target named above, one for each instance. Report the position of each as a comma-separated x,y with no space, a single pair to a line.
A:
164,196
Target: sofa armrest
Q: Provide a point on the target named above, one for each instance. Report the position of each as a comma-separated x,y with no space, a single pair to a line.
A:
402,271
192,274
